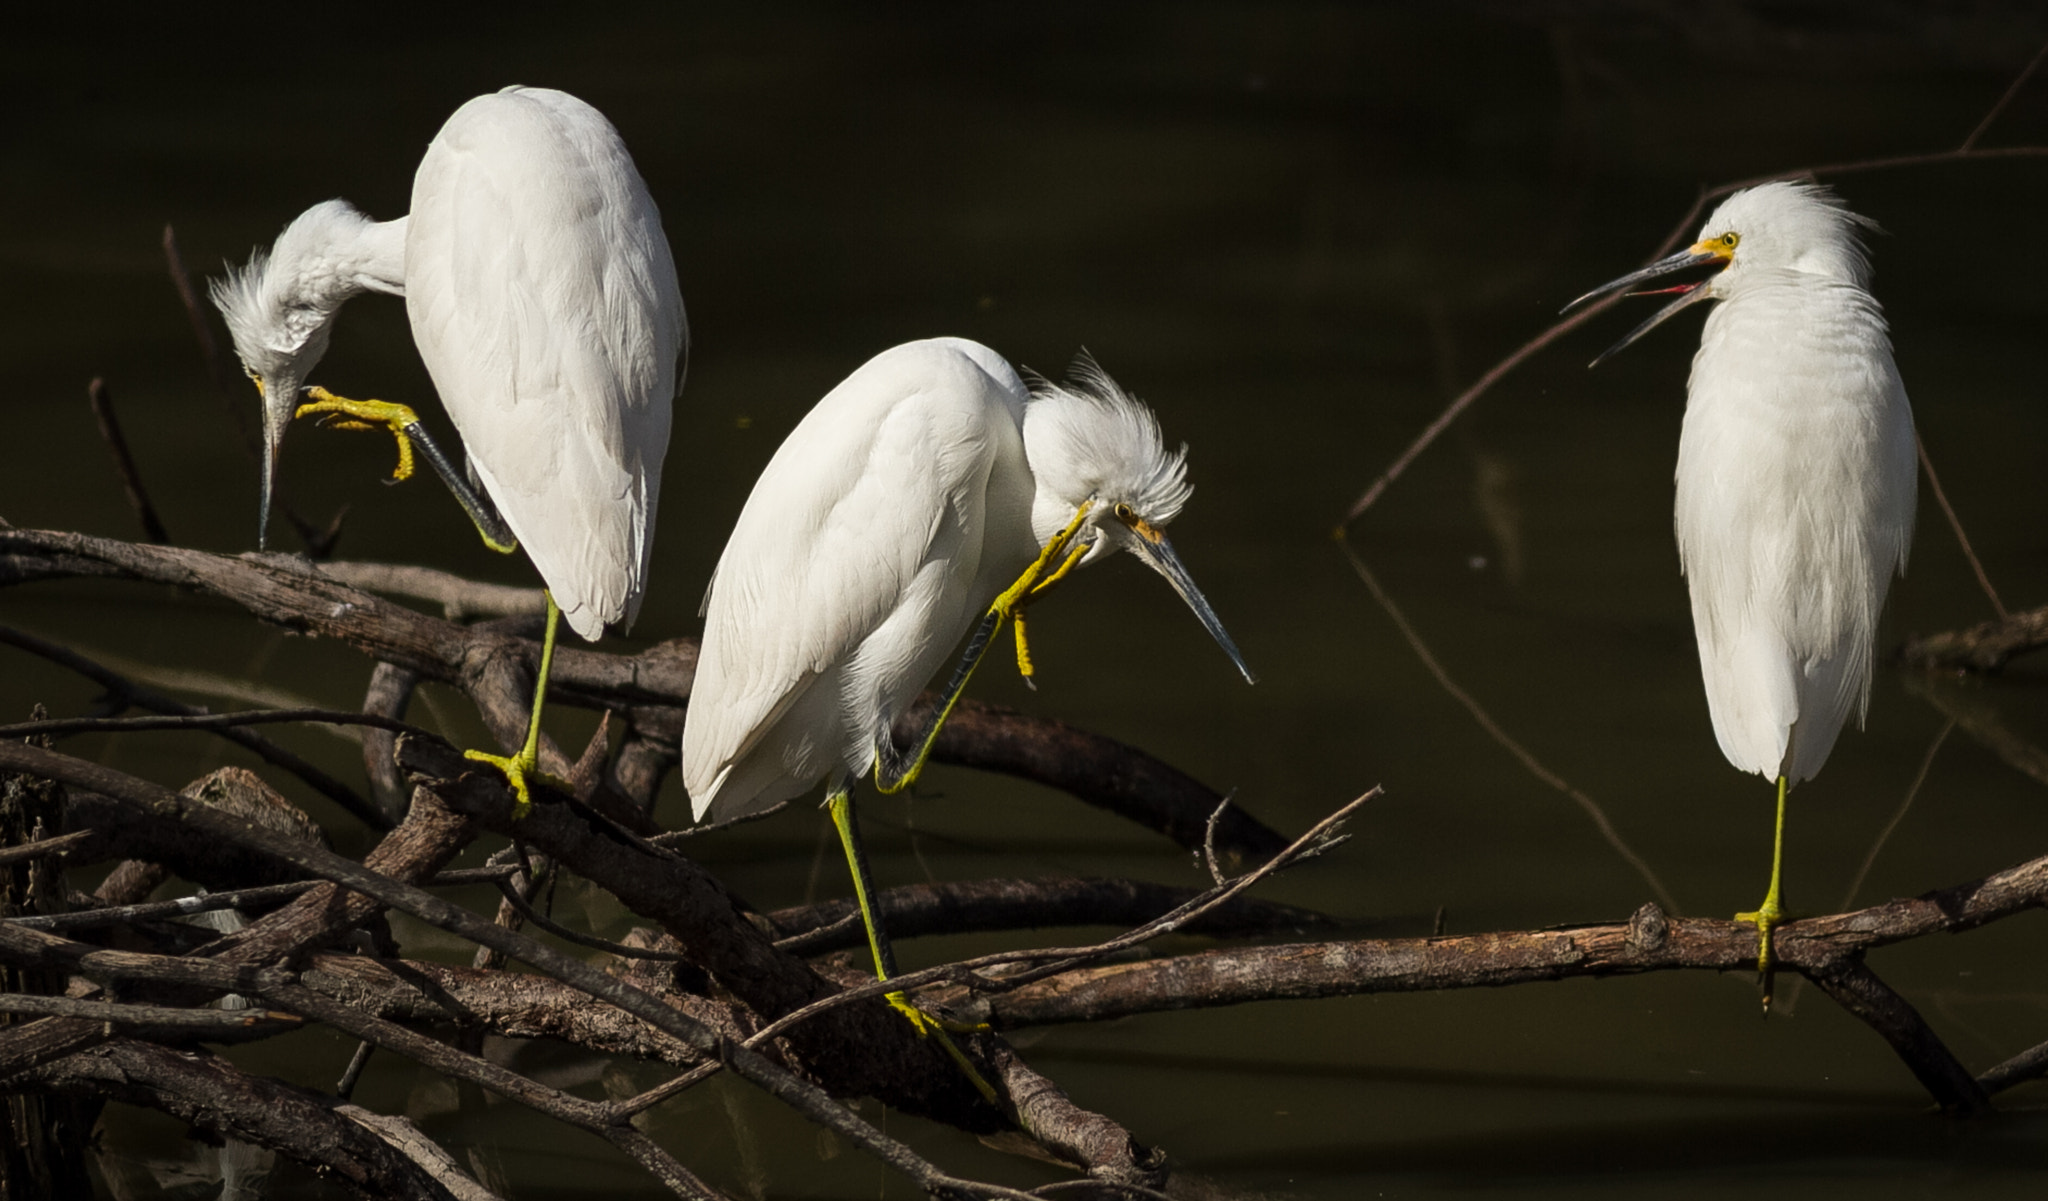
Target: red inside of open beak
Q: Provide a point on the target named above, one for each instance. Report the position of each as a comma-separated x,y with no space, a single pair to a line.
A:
1670,291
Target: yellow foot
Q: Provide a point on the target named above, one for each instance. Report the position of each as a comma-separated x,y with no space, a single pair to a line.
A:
366,415
920,1021
1766,918
517,770
928,1026
929,1022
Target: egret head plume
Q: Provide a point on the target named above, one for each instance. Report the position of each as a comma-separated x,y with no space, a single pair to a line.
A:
280,308
1087,439
1788,226
1091,443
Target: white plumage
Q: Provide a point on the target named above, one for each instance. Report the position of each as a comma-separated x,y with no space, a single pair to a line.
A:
878,534
544,302
894,511
1796,471
1795,484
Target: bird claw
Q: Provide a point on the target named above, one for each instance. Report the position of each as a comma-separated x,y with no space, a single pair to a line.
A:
340,412
925,1024
932,1023
1766,918
517,769
929,1026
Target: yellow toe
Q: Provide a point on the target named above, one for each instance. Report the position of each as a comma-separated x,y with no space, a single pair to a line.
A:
516,768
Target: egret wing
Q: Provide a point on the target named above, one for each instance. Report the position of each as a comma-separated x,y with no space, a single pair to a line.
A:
856,552
544,301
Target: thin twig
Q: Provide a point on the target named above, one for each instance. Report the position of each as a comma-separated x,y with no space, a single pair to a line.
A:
240,898
2013,90
1955,524
1110,1187
1905,804
353,1073
509,889
102,402
673,838
1529,762
979,906
209,350
130,693
1320,838
1209,841
203,721
1966,152
43,847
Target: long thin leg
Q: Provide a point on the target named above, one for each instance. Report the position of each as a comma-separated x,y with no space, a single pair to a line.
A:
517,767
896,770
840,803
1771,913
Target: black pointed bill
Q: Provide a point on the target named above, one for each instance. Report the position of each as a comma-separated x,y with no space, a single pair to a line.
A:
1699,254
1157,552
278,405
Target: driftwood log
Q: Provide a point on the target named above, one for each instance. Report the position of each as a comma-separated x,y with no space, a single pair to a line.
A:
112,999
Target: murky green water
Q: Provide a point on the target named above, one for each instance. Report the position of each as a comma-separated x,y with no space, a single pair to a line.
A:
1292,229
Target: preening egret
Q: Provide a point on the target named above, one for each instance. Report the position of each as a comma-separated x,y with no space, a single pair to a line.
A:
544,302
930,490
1796,472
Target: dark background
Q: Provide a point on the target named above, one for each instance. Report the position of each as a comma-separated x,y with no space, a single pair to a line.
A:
1295,230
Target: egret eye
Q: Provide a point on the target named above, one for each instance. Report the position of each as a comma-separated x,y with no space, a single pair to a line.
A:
1730,239
1125,513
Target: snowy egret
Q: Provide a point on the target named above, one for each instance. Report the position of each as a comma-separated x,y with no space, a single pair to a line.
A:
544,302
930,490
1796,468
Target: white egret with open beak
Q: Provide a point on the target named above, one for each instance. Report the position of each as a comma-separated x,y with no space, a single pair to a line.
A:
1796,472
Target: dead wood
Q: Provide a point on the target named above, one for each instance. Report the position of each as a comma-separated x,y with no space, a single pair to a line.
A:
1829,950
123,694
495,669
865,1050
741,1001
1985,647
798,1094
514,1005
914,910
211,1094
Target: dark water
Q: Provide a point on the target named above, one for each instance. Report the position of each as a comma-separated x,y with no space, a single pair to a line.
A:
1294,229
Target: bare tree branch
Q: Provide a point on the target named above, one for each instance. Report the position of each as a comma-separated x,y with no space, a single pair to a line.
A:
366,882
495,669
102,402
1985,647
208,1092
124,693
983,905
